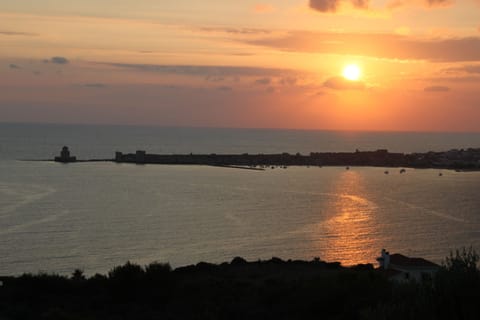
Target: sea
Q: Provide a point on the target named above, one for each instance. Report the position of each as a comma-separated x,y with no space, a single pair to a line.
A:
93,216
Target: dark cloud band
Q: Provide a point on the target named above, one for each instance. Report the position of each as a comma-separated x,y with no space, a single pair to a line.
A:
212,72
436,89
387,46
57,60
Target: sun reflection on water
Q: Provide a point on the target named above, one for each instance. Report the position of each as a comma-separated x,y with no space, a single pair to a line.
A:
350,232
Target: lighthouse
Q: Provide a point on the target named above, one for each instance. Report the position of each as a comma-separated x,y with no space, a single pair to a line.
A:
65,156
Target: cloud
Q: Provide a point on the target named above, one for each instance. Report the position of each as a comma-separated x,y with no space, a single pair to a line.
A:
236,31
207,71
436,89
362,4
463,73
271,89
263,81
339,83
456,79
324,5
14,66
470,69
241,54
263,8
95,85
394,4
289,81
389,46
333,5
435,3
14,33
214,79
57,60
225,88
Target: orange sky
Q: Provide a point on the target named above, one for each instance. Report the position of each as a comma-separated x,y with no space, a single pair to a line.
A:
243,63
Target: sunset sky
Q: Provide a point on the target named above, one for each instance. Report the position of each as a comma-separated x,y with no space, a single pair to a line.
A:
220,63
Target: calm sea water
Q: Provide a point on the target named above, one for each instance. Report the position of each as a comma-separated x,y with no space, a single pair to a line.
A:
94,216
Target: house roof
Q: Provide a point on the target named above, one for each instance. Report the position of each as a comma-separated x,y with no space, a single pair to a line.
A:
404,261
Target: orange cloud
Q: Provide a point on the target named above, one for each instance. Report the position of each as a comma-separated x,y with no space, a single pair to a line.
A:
339,83
333,5
57,60
324,5
435,3
466,69
436,89
215,72
263,8
16,33
389,46
394,4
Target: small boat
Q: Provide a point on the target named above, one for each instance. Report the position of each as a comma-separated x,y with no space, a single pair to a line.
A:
403,171
347,168
386,172
440,174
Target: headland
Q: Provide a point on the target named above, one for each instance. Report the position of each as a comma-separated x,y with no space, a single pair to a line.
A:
463,159
455,159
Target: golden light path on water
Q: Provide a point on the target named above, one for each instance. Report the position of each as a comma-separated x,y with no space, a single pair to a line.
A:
186,214
351,231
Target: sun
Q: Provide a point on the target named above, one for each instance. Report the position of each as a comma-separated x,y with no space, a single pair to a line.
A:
352,72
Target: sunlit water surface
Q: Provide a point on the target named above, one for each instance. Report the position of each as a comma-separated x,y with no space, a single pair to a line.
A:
94,216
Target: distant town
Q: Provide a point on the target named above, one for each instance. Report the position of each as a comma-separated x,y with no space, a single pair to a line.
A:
456,159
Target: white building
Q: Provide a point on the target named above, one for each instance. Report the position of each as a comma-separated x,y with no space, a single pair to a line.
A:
402,268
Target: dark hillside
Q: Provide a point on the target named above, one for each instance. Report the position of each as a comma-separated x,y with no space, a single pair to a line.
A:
272,289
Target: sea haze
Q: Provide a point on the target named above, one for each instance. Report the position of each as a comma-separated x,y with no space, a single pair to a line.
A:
39,141
93,216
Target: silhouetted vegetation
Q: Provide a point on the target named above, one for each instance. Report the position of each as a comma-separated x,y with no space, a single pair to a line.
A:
273,289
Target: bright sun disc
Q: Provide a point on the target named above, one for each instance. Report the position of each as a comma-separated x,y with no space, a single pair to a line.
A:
351,72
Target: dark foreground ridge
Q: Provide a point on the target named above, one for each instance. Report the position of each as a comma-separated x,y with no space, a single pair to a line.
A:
273,289
463,159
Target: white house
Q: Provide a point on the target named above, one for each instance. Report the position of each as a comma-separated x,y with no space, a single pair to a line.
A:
402,268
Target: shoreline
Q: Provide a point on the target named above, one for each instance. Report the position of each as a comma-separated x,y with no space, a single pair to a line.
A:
257,168
463,160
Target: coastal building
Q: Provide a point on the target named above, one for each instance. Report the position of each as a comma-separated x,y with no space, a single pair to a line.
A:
140,156
65,156
402,268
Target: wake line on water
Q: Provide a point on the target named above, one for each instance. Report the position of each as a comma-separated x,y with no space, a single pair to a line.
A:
49,218
429,211
28,198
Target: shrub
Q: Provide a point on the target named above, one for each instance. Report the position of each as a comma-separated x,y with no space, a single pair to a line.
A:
464,260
